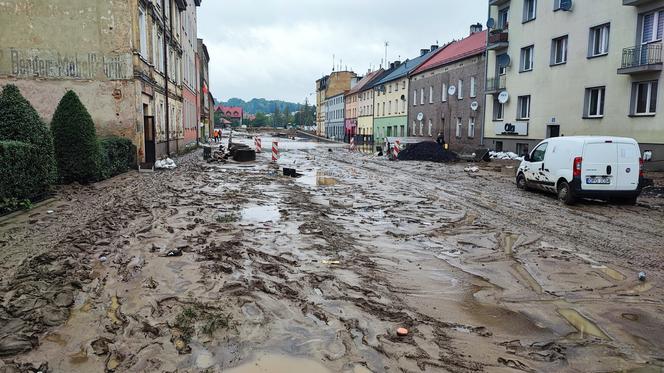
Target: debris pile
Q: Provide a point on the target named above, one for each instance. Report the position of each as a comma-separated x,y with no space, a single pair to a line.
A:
505,156
165,164
427,151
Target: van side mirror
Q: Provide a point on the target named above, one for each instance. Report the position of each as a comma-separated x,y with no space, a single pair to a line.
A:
526,157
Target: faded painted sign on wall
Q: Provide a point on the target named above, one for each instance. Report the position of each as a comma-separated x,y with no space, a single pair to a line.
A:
40,63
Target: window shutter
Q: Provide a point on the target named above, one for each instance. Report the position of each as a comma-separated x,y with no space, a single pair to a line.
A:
648,24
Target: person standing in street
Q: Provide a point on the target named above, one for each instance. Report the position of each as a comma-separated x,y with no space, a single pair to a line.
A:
441,139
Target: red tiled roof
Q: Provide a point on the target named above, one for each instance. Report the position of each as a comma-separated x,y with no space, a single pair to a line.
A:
458,50
229,111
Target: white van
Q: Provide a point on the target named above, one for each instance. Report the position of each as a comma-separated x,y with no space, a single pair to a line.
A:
584,166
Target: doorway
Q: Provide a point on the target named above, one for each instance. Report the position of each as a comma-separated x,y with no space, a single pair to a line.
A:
552,131
149,135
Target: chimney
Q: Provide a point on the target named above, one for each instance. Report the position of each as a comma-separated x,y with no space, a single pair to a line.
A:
434,47
391,65
475,28
397,63
423,51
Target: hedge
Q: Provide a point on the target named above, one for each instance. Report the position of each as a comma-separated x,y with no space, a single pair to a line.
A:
118,155
21,171
75,140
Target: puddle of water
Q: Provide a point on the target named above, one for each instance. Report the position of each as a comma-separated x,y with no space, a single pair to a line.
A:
611,273
317,178
279,364
582,324
112,311
508,242
528,278
260,214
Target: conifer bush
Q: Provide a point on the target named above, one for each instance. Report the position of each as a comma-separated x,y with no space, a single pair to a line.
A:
77,150
118,155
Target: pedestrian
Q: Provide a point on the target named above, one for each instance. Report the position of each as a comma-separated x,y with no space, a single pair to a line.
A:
216,136
441,139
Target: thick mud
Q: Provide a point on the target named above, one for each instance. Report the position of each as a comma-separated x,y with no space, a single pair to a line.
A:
234,267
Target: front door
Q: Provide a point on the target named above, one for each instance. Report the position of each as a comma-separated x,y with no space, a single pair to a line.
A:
149,134
553,130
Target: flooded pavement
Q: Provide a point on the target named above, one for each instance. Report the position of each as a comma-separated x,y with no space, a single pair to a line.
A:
234,267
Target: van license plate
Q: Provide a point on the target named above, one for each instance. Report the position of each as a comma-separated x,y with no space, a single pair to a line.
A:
598,180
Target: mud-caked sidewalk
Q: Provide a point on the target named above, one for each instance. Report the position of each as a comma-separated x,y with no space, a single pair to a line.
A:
235,267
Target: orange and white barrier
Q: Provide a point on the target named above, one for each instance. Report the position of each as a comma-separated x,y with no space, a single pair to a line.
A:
352,144
275,151
259,146
396,149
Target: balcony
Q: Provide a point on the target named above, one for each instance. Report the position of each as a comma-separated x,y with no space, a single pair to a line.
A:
641,59
498,2
495,85
637,2
498,39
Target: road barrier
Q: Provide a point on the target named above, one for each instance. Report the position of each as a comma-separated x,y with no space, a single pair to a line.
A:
396,149
352,144
259,146
275,151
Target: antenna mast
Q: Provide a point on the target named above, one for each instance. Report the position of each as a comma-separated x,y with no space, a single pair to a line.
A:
387,44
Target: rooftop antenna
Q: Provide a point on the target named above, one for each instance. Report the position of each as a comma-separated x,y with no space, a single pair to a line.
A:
333,59
387,44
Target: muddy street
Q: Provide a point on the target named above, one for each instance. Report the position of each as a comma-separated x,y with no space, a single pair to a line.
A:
234,267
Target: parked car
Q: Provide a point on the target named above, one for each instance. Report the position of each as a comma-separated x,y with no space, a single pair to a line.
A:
584,166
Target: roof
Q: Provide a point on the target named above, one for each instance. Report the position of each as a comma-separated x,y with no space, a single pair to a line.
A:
231,111
364,82
406,67
472,45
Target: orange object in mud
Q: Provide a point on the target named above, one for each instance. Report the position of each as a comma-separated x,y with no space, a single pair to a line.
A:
402,332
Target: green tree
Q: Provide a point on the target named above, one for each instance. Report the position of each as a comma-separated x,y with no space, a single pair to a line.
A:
20,122
76,147
276,117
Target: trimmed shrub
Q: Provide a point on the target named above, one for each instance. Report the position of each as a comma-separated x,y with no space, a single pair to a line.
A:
21,174
75,140
118,155
19,121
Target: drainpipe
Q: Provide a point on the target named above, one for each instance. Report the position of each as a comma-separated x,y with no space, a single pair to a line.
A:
168,141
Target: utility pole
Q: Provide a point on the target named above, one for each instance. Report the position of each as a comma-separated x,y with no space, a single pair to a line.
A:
168,140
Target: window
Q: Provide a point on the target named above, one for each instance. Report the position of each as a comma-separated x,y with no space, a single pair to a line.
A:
403,85
396,106
503,18
523,108
598,43
499,146
460,90
389,108
529,10
539,153
498,110
458,127
431,95
527,58
396,87
430,127
383,109
471,128
501,69
653,27
160,52
415,97
559,51
403,106
473,94
142,25
644,98
444,95
594,99
422,96
389,88
521,148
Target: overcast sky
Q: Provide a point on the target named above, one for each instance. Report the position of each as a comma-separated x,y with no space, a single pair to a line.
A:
276,49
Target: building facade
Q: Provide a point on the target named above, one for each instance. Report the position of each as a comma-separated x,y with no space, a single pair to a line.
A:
235,114
353,107
334,117
447,93
391,99
125,66
331,85
366,110
600,74
206,121
190,76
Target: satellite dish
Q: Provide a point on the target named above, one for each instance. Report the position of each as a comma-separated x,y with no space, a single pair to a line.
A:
474,106
451,91
490,23
420,116
503,60
503,97
566,5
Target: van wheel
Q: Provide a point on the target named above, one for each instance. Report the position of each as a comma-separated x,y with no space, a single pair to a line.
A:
565,193
521,182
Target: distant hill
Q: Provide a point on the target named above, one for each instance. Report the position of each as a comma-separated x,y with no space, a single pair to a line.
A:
260,105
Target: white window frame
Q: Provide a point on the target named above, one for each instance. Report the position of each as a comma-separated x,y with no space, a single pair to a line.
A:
444,95
421,96
530,51
598,111
557,59
460,90
459,126
655,27
500,111
649,97
473,89
603,32
431,94
143,32
415,97
471,127
520,103
529,14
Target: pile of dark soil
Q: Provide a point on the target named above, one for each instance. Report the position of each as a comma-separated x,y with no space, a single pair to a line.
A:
427,151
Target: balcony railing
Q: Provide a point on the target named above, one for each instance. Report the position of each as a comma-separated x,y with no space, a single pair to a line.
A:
498,38
641,56
495,84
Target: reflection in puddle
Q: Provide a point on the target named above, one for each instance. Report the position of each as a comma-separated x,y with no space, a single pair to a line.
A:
279,364
260,214
317,177
582,324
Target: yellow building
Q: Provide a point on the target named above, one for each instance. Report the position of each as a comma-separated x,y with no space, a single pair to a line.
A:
328,86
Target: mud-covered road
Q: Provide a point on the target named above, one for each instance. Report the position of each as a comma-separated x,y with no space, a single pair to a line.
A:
232,267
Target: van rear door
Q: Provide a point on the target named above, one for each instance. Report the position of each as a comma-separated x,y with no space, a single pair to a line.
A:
600,166
628,166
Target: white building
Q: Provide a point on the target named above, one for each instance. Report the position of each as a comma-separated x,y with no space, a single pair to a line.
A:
581,67
334,117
